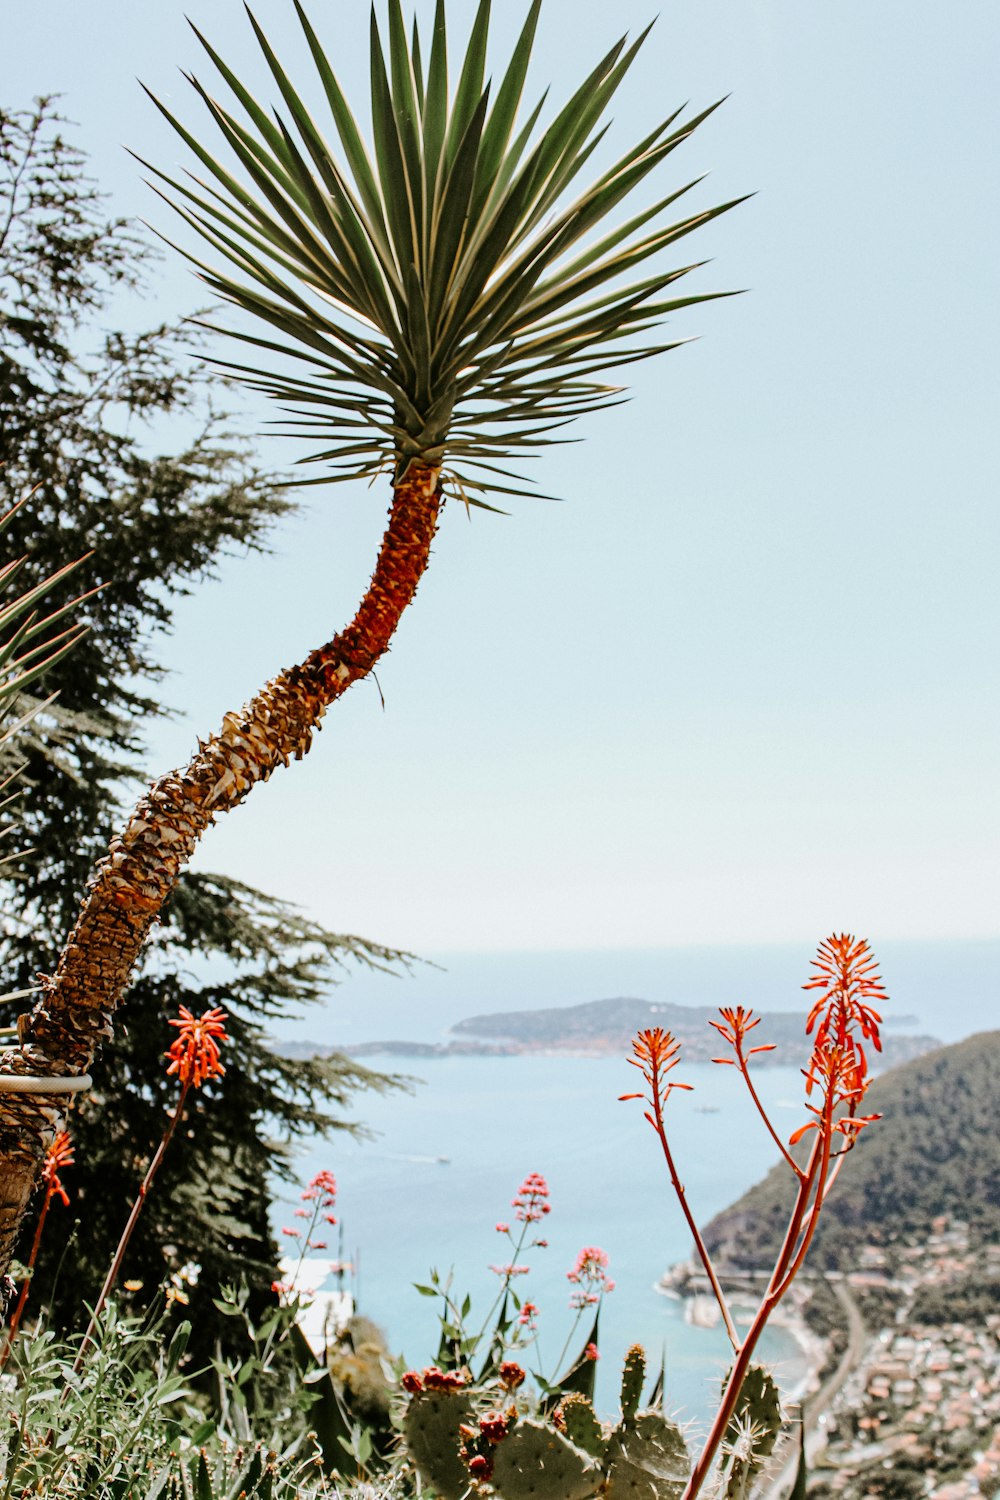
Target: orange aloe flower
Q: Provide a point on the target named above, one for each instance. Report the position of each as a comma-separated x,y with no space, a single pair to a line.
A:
736,1022
848,978
59,1154
655,1052
195,1054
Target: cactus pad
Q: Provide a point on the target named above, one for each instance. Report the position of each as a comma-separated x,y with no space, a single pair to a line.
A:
647,1460
582,1426
633,1376
431,1430
537,1463
752,1432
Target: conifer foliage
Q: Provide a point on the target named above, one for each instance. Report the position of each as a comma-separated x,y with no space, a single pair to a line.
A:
79,414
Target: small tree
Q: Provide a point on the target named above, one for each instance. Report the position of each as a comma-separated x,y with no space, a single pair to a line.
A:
156,522
448,308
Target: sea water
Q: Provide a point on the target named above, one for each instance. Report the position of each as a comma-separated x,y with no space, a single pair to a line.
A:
444,1161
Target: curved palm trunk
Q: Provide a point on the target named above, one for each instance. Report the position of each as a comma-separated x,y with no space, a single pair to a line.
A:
132,882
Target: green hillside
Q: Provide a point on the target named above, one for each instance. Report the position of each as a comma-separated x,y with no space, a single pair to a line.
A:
935,1151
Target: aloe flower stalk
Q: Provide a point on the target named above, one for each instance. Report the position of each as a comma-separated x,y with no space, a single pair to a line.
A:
195,1058
844,1020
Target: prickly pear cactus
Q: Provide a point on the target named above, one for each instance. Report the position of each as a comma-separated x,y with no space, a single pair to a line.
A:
633,1377
647,1459
582,1425
431,1430
534,1462
752,1432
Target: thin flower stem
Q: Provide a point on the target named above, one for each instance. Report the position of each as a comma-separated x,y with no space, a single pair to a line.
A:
822,1185
505,1284
779,1284
745,1070
657,1121
112,1276
569,1338
15,1321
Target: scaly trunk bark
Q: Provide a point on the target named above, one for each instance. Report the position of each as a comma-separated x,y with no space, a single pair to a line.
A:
132,882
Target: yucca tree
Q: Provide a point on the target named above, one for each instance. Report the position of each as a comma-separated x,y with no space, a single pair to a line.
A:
429,311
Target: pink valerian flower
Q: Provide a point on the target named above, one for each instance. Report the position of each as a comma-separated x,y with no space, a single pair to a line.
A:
591,1352
503,1228
324,1187
510,1271
531,1204
589,1275
528,1316
293,1234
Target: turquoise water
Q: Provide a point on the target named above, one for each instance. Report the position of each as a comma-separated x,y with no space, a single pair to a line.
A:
494,1120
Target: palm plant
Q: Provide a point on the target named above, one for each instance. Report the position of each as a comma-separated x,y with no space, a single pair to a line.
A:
430,313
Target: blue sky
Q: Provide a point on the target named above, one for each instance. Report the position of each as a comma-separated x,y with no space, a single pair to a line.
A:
741,685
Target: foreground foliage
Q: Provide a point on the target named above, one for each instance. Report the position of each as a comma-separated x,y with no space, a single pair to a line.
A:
82,411
125,1421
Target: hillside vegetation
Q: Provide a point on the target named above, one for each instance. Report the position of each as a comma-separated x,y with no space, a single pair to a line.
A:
935,1151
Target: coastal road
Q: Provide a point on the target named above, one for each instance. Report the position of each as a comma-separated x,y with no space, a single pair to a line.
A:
820,1401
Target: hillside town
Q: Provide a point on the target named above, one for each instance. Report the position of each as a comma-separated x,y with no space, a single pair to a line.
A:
919,1414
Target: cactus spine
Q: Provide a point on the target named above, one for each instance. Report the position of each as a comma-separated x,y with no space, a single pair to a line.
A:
752,1433
647,1460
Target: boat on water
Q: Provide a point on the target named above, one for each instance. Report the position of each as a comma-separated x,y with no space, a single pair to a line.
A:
701,1312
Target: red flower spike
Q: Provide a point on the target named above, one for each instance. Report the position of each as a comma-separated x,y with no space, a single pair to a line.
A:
59,1154
194,1056
847,975
655,1052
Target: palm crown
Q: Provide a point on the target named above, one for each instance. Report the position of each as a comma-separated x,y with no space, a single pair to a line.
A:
444,302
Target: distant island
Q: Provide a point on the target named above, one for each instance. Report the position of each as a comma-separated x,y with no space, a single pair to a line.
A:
605,1028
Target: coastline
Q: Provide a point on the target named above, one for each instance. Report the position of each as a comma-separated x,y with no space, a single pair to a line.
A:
686,1283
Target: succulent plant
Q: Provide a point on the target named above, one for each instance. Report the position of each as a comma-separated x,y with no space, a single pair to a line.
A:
582,1425
633,1378
647,1459
432,1431
536,1462
752,1432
